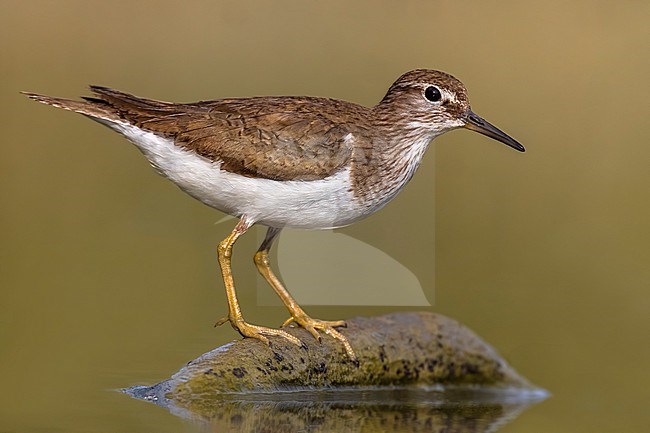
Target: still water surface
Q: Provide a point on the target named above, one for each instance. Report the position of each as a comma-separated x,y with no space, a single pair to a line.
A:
369,410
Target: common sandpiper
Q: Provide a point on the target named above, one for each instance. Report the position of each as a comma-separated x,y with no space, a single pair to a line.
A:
300,162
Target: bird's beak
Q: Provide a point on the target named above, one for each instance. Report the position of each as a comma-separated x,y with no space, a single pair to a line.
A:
478,124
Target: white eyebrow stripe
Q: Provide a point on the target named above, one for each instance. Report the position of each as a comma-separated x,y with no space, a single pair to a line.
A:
450,96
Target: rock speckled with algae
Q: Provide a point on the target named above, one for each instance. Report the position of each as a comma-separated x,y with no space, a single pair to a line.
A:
399,349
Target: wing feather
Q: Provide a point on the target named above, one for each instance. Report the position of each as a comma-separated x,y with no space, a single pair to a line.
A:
282,138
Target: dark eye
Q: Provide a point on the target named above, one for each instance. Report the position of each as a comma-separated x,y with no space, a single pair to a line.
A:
433,94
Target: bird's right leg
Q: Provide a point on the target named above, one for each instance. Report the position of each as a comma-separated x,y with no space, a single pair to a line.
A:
224,252
297,313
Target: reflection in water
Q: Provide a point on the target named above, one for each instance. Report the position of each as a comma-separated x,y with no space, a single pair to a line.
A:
392,410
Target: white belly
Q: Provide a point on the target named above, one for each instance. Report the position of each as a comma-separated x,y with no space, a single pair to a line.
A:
318,204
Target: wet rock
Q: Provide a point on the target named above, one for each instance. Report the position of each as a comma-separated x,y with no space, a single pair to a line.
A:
399,349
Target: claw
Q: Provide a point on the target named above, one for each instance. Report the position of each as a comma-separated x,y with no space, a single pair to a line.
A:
346,344
313,332
328,327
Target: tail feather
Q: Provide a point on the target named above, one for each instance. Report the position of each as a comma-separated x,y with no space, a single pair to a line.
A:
92,109
116,109
109,104
125,100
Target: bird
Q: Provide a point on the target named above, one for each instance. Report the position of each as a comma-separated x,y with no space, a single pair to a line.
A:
288,162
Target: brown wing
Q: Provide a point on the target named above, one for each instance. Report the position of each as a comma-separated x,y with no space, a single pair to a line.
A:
284,138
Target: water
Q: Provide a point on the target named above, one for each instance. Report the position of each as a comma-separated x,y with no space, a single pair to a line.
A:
378,410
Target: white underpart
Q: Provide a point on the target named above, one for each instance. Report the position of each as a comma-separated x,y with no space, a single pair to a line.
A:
317,204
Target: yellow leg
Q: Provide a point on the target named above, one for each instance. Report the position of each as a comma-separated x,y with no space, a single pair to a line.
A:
235,318
298,315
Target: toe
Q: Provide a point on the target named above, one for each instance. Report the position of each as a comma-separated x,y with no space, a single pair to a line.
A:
328,327
315,334
263,339
287,322
335,324
346,344
221,321
291,338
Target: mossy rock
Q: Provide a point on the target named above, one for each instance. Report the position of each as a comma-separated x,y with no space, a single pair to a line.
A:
393,350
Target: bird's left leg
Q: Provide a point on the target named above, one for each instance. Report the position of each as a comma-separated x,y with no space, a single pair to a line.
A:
298,315
224,253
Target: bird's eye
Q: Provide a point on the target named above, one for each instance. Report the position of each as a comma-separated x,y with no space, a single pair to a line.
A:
433,94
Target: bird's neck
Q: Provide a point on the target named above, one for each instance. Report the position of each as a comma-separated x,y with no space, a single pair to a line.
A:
381,170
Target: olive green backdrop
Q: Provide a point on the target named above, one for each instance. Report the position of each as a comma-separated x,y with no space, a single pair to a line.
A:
107,271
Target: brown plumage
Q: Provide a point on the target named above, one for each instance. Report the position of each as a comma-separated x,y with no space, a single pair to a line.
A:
297,138
279,138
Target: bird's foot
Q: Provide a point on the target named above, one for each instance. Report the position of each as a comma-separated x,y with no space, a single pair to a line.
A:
259,332
314,325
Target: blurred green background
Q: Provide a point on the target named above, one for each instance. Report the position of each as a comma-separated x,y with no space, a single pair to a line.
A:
107,271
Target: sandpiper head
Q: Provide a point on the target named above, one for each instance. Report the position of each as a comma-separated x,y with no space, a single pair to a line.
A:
435,102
